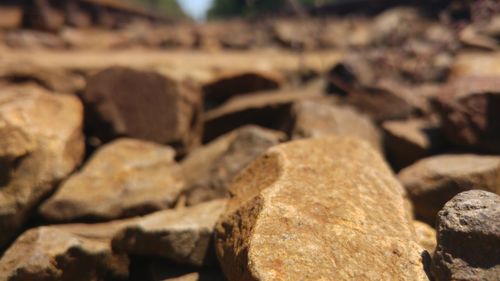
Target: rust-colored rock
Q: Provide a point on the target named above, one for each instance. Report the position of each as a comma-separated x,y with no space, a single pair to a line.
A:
124,178
41,142
146,105
318,209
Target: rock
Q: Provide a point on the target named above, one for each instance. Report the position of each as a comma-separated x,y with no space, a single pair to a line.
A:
318,209
468,229
407,141
31,39
77,252
41,142
426,236
223,87
317,119
124,178
210,169
145,105
196,276
432,181
469,110
182,235
40,14
268,109
162,270
10,17
475,64
295,34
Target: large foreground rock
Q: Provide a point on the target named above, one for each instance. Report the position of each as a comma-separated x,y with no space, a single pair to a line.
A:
182,235
468,238
41,142
78,252
318,209
124,178
145,105
210,169
432,181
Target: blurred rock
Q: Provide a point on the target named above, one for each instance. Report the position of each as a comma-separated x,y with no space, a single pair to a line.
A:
77,252
307,203
432,181
10,17
210,169
160,270
426,236
298,35
475,64
469,108
468,238
311,119
41,142
182,235
124,178
30,39
407,141
146,105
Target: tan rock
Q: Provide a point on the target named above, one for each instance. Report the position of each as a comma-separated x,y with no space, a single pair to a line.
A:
145,105
426,236
161,270
78,252
318,209
210,169
124,178
182,235
317,118
432,181
41,142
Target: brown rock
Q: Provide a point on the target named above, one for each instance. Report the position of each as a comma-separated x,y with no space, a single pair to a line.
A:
468,238
295,34
318,209
10,17
31,39
124,178
316,119
210,169
145,105
268,109
182,235
41,142
78,252
161,270
432,181
469,108
426,236
476,64
407,141
223,87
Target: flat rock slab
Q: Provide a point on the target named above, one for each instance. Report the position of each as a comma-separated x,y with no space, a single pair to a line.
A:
182,235
41,142
318,209
432,181
124,178
468,229
209,170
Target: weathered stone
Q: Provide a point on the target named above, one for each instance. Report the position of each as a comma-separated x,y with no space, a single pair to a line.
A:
78,252
162,270
426,236
408,141
41,142
210,169
145,105
223,87
182,235
475,64
432,181
468,229
316,119
469,108
268,109
124,178
31,39
318,209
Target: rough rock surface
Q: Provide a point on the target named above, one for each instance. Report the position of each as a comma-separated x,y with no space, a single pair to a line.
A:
124,178
78,252
469,110
210,169
145,105
426,236
312,118
468,238
432,181
41,142
407,141
182,235
318,209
